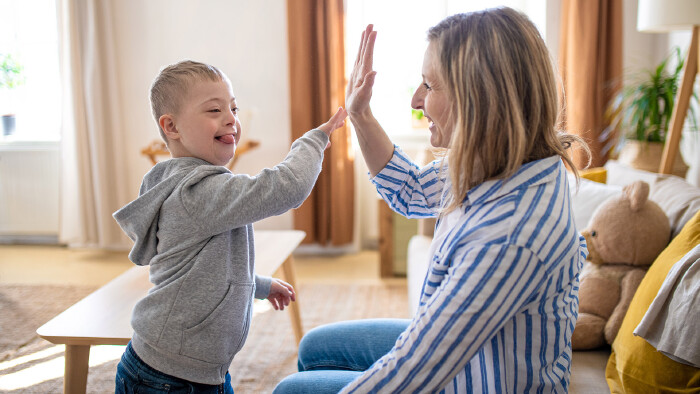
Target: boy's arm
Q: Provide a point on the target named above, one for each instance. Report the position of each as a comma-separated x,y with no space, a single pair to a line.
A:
220,201
262,286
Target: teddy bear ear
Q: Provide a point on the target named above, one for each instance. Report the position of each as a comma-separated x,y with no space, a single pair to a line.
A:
637,193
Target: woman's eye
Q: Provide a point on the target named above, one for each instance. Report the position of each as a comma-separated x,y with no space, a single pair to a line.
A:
427,87
234,110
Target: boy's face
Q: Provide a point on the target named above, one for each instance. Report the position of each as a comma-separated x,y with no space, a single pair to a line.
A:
207,125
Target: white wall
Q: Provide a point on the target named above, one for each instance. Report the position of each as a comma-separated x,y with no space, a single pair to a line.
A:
247,40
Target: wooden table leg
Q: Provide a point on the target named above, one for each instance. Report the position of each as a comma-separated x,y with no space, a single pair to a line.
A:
289,276
76,372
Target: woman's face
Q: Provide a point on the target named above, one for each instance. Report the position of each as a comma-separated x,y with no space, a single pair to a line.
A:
431,97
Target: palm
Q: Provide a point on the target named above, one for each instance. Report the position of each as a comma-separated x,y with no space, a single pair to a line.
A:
359,91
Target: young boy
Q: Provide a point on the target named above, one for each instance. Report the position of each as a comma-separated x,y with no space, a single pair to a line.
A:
192,223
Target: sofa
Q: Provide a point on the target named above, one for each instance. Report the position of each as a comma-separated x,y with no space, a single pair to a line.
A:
677,198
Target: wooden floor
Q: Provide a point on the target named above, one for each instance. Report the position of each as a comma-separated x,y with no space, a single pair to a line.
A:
30,264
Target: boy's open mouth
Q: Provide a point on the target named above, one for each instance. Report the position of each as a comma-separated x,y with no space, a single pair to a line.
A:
226,138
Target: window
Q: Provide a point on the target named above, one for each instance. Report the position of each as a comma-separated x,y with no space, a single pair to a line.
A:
401,41
29,36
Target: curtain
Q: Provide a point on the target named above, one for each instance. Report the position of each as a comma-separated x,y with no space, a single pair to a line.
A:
317,85
93,183
590,60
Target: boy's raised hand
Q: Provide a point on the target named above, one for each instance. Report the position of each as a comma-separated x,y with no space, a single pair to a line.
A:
335,122
281,294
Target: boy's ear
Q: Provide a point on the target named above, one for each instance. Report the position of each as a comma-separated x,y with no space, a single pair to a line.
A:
167,123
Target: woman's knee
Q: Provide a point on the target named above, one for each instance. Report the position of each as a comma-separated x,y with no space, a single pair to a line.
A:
348,345
317,382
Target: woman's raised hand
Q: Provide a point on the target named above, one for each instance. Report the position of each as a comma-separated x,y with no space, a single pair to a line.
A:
359,90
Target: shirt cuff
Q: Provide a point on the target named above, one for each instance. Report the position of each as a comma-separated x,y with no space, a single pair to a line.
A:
262,286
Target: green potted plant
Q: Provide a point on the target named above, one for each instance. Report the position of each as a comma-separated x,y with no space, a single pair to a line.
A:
642,112
11,76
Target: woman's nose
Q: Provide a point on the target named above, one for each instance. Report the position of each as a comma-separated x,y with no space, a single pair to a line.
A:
417,99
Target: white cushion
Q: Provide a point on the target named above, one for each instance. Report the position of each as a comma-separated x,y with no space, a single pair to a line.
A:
588,197
417,268
621,175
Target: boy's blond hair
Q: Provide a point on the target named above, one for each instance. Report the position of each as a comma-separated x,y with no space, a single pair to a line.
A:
502,83
173,82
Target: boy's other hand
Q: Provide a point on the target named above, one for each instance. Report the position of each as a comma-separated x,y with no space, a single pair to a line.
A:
335,122
281,294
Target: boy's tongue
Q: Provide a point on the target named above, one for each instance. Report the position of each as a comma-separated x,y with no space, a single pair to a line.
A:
226,139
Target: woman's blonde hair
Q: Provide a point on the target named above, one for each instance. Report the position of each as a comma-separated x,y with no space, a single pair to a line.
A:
172,84
503,88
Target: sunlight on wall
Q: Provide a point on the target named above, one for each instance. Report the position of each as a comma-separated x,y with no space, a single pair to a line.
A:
401,43
52,368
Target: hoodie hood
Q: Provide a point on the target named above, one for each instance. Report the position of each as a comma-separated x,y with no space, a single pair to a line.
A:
139,218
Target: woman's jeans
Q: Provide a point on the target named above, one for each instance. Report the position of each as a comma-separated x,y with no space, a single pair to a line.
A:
135,376
333,355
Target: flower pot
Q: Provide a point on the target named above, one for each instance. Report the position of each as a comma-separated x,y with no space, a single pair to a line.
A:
9,122
646,156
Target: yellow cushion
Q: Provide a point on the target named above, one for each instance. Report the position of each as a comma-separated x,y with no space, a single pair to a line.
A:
596,174
634,365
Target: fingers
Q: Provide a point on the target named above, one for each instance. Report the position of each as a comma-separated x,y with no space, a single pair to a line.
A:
368,56
368,83
338,118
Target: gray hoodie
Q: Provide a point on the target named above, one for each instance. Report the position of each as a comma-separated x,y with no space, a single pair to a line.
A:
192,223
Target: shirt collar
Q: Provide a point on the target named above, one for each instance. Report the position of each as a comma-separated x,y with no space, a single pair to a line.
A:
529,174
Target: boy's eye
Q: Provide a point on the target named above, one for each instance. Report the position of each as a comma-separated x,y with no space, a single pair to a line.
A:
215,110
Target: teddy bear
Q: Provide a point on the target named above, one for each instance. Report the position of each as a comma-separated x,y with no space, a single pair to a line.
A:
624,236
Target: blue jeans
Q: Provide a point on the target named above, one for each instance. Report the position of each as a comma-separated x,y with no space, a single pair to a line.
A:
333,355
135,376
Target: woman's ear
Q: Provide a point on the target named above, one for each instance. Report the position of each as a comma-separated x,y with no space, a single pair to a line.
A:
167,124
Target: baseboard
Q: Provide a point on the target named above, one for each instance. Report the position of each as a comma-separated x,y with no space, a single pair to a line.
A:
6,239
317,249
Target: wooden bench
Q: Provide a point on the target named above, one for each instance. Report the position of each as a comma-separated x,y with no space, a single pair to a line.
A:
104,317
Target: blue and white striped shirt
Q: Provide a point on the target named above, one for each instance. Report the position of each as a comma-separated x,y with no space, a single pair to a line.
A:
500,299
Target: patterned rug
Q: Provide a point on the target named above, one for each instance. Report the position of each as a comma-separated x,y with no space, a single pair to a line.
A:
28,364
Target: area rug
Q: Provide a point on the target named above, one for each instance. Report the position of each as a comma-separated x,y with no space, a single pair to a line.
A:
268,355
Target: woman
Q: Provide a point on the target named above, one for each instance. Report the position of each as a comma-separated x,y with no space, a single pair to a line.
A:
500,299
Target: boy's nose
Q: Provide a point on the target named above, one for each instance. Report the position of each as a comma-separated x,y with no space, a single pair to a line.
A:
230,118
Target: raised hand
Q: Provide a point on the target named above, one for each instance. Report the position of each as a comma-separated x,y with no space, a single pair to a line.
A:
359,90
335,122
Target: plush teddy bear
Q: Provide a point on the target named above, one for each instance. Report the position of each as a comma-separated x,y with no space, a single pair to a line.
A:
624,236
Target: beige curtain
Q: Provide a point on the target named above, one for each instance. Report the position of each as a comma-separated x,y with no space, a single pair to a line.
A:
590,60
93,184
317,84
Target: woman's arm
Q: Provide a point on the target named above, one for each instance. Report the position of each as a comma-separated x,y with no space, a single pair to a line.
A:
376,146
411,191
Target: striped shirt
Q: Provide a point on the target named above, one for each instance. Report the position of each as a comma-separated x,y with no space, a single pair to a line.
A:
500,298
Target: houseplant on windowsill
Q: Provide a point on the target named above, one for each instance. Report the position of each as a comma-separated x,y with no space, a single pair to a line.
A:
642,112
11,77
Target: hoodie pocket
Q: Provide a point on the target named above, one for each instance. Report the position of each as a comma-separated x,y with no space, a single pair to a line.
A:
222,333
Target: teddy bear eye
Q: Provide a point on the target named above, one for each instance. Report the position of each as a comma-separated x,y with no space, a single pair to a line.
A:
594,233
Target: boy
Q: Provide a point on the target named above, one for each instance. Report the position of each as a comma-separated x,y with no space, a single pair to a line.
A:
192,223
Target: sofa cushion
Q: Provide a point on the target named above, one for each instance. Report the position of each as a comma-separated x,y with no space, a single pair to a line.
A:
634,365
677,198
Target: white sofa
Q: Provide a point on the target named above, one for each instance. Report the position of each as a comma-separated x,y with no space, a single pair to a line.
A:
677,198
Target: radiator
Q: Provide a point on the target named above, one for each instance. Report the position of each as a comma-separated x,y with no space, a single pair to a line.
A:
29,191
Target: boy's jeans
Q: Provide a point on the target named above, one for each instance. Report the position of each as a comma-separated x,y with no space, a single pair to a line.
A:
333,355
135,376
